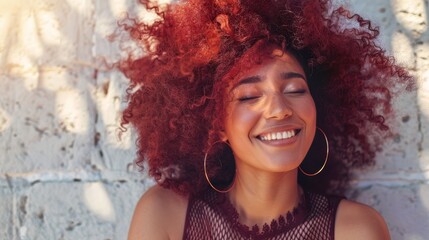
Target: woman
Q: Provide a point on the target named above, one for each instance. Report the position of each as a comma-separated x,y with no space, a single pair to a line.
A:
250,114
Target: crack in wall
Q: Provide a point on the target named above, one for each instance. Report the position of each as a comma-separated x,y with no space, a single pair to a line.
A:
420,131
30,179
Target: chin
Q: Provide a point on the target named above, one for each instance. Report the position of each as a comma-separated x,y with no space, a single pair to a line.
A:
282,165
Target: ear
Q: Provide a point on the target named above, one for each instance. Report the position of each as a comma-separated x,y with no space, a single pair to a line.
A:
223,136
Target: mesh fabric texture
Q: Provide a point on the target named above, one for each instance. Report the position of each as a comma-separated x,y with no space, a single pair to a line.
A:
212,216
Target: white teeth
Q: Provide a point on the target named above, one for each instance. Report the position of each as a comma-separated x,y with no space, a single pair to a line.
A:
277,135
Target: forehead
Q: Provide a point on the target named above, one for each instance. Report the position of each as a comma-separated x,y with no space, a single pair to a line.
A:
258,64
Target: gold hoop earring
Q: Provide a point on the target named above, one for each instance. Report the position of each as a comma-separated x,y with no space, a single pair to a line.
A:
228,188
326,158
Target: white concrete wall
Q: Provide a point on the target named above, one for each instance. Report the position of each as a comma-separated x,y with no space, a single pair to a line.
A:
64,174
398,186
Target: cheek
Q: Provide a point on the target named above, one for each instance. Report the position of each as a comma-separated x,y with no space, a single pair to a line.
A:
240,121
308,111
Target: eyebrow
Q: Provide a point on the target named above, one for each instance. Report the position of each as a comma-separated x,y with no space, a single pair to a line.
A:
289,75
256,79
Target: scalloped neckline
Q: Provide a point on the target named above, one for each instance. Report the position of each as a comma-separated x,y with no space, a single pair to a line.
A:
283,223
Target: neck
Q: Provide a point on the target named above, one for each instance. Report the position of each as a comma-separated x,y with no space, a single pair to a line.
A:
262,197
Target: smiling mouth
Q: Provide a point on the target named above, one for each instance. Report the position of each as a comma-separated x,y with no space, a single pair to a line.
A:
278,135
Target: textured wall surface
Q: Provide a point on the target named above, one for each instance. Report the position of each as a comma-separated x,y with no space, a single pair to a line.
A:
65,174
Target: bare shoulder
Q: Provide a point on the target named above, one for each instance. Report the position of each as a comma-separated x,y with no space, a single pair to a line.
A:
358,221
160,214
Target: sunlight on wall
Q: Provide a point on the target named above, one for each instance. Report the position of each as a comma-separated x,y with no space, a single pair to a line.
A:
118,8
5,20
5,120
403,49
412,15
7,5
110,103
23,46
106,19
72,111
97,200
33,55
150,16
80,6
26,34
50,34
54,79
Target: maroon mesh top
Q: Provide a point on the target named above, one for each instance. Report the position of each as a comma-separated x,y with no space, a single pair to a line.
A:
212,216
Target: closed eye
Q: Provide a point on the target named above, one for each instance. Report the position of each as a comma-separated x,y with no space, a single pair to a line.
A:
299,91
247,98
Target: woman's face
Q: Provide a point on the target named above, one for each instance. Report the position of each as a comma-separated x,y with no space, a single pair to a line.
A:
271,119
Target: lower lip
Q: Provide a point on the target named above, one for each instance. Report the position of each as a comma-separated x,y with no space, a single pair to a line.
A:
281,142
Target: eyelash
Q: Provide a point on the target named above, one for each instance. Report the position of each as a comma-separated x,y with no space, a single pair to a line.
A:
243,99
248,98
299,91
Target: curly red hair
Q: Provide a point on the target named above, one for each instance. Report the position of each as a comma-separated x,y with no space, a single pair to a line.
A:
176,97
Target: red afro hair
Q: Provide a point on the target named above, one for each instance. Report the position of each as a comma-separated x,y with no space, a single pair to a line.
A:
176,98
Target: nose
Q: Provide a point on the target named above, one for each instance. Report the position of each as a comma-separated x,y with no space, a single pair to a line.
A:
277,107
